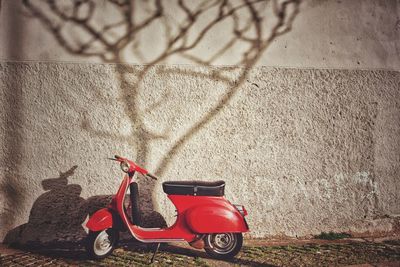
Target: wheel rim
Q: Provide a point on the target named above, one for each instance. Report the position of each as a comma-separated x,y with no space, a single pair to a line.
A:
222,243
103,243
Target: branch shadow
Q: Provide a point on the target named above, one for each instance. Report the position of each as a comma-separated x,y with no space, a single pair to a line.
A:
247,23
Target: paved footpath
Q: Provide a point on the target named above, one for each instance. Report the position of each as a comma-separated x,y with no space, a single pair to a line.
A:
349,252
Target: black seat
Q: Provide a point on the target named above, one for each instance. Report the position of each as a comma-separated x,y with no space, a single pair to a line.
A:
194,188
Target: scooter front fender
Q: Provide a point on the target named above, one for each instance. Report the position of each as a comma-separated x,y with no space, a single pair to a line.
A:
215,219
101,220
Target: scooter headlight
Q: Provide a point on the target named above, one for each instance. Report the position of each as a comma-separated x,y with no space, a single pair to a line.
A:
125,166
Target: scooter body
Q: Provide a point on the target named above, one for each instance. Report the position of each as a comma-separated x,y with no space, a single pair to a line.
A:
200,216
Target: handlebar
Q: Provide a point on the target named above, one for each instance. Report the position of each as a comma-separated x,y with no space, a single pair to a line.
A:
134,167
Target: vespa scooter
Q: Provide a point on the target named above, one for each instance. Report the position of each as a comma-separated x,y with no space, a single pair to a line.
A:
205,219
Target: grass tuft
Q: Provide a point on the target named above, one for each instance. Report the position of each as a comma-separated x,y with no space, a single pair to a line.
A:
332,236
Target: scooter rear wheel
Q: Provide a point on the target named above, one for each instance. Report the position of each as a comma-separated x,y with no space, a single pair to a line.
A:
102,243
224,245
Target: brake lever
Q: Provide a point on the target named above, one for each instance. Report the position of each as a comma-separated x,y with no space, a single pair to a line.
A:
151,176
116,158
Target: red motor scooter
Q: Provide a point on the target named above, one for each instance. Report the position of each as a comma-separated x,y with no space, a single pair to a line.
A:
205,218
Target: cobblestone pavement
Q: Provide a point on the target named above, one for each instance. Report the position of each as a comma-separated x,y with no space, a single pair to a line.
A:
385,253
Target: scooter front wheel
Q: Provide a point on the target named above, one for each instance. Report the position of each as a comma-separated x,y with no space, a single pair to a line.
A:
224,245
102,243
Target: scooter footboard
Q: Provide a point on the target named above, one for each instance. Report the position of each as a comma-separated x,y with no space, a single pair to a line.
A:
103,219
206,219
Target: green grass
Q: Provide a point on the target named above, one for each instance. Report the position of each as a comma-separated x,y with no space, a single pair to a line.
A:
332,236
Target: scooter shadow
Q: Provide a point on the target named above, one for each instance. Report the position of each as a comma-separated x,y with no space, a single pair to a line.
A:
54,226
57,215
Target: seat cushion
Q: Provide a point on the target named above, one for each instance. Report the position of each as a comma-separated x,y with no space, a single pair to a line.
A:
194,188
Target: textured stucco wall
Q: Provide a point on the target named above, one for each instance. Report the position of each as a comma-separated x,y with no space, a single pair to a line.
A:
306,150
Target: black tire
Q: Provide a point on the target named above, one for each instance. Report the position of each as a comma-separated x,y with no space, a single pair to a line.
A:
224,245
102,243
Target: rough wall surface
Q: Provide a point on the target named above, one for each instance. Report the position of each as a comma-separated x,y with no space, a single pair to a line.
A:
305,150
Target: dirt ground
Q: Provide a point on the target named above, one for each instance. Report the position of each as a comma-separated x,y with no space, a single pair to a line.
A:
312,252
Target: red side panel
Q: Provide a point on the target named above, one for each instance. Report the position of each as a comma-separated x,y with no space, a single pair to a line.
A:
100,220
205,219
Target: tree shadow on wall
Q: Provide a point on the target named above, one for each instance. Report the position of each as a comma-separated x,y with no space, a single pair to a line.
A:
251,24
57,215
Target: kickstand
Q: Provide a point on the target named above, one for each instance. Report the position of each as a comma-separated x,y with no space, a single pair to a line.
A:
155,252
